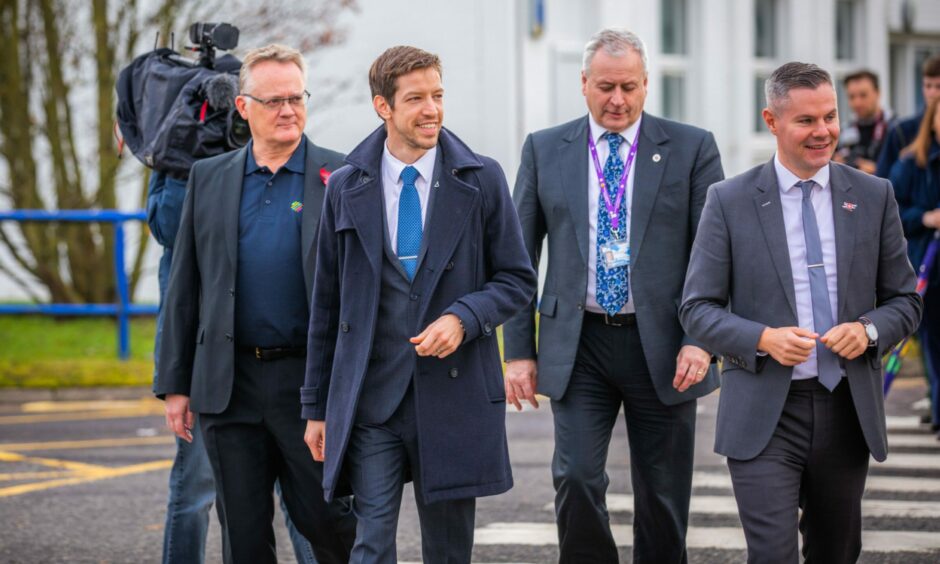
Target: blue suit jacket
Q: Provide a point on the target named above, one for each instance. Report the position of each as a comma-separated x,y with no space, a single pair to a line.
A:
474,265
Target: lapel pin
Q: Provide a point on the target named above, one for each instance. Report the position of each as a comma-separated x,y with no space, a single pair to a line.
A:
765,204
849,206
297,206
437,184
657,158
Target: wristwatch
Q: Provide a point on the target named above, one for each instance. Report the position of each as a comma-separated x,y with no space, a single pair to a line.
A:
870,330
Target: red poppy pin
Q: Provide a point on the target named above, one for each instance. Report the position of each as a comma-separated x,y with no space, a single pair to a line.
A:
324,175
849,206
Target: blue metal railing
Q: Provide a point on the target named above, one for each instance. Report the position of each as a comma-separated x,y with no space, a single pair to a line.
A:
123,308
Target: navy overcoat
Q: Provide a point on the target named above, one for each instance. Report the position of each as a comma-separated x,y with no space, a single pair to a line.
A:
475,266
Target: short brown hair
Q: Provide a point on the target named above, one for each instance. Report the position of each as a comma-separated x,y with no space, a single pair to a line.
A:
273,52
932,66
395,62
861,75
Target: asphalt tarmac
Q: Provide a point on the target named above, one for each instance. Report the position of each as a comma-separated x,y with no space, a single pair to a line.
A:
85,480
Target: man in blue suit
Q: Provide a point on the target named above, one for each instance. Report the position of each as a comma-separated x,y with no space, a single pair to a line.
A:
420,258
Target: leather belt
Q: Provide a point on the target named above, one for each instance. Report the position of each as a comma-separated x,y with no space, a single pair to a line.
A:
619,320
274,353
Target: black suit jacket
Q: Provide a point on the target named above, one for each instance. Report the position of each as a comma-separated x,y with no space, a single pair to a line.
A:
197,351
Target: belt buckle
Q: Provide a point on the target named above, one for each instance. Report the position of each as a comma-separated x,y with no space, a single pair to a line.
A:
258,353
608,320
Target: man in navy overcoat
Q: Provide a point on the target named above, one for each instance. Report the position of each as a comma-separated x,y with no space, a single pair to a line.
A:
420,258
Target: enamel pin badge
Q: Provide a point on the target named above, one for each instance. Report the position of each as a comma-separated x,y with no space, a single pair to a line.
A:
849,206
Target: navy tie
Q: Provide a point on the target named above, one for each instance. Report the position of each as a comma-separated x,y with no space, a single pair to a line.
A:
409,222
827,363
612,289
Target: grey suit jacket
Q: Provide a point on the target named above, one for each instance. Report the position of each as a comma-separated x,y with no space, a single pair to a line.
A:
740,282
675,164
197,350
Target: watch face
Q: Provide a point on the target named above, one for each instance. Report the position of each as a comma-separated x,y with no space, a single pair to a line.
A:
871,332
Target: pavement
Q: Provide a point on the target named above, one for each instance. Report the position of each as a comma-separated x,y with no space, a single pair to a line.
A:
83,478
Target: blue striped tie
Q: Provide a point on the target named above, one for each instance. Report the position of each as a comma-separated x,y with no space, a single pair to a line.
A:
409,222
827,364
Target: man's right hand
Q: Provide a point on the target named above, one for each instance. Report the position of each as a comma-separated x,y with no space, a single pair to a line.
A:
788,345
179,418
521,380
315,437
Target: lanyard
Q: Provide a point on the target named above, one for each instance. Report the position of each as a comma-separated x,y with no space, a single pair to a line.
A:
613,207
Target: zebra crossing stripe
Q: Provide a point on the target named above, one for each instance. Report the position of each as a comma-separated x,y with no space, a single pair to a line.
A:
903,423
725,538
912,440
908,461
878,484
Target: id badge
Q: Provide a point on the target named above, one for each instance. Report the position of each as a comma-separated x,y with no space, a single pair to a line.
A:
616,254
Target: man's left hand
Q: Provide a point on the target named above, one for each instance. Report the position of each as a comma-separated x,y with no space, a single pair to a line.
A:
847,340
691,367
440,338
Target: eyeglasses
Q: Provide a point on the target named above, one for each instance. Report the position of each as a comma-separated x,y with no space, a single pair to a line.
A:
274,104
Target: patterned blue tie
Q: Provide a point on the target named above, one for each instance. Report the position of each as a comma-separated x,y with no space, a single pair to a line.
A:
612,289
827,364
409,222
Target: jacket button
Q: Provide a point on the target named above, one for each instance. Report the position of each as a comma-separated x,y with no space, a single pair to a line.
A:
580,307
344,327
487,328
453,373
228,336
450,266
454,172
231,291
414,297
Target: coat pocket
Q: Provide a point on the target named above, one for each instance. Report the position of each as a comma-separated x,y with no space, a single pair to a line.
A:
547,305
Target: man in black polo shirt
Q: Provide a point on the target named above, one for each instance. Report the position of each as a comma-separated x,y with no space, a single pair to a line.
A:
237,310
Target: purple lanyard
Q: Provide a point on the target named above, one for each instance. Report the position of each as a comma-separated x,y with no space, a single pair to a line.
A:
613,208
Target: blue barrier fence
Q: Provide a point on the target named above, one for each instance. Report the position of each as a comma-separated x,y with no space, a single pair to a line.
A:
122,309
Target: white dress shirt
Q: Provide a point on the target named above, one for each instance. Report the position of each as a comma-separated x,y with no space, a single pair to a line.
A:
392,185
791,199
594,193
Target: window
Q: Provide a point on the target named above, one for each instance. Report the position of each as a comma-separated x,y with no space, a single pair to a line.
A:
674,21
846,29
760,102
674,97
765,29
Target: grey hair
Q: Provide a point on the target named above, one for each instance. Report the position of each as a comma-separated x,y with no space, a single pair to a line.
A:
273,52
793,75
616,41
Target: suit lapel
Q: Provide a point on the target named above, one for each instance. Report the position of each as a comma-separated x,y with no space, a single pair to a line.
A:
770,211
845,222
314,191
365,206
648,172
572,163
449,211
231,180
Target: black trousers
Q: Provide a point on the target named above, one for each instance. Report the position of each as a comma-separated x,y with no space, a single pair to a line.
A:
259,439
817,461
610,371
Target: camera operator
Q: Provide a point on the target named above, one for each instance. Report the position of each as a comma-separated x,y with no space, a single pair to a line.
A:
861,139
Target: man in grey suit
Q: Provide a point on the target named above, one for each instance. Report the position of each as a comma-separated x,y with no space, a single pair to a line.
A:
618,194
799,278
237,310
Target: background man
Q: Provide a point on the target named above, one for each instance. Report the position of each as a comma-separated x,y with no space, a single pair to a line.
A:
860,142
237,313
801,405
420,258
618,194
902,133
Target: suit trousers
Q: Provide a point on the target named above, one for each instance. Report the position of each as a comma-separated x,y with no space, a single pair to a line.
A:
259,439
610,372
378,460
817,462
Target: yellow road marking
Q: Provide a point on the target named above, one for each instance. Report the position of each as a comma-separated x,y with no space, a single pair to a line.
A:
52,462
96,405
91,443
102,474
142,410
16,476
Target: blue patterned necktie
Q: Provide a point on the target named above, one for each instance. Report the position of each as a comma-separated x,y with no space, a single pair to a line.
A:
612,289
409,222
827,364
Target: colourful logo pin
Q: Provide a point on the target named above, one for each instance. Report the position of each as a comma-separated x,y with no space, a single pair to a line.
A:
296,206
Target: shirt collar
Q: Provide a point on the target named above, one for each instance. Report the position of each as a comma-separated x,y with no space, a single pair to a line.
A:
393,166
296,162
598,131
786,180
